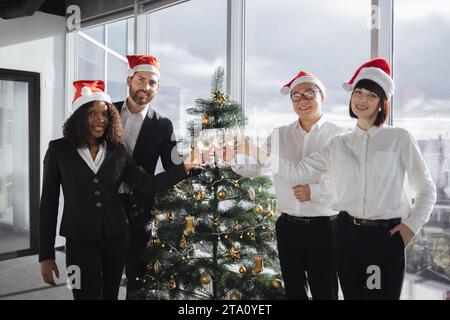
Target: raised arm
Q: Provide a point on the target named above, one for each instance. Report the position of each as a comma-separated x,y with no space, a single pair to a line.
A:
139,179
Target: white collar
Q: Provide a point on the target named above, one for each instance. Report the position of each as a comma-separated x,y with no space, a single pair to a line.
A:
144,112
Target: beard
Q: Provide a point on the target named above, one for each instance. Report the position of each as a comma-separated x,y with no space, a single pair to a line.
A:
141,97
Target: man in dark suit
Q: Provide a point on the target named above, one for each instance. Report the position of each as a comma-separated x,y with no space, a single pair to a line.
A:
147,136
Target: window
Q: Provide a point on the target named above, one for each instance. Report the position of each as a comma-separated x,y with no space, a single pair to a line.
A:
102,54
327,38
422,105
19,154
189,51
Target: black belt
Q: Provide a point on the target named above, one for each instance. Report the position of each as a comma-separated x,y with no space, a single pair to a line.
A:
307,220
388,223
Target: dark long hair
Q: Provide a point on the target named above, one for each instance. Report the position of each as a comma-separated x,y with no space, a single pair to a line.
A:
375,88
76,128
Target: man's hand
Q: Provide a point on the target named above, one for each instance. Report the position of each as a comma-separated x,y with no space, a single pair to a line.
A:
405,232
302,193
48,267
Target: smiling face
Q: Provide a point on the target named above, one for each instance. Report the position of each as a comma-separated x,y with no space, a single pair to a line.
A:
365,104
143,87
307,110
97,119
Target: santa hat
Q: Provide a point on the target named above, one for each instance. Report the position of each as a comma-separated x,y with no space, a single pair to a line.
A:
377,70
139,62
88,91
302,77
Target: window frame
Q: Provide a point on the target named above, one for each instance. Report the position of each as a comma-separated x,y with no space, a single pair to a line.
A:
34,104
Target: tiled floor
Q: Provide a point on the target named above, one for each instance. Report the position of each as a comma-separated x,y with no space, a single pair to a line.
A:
20,279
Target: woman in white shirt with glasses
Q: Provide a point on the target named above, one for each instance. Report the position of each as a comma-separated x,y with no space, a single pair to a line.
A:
368,168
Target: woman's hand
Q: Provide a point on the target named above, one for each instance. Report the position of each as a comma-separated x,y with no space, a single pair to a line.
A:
405,232
48,267
194,159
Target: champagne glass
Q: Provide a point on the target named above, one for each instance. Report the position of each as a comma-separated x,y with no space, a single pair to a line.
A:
205,143
219,143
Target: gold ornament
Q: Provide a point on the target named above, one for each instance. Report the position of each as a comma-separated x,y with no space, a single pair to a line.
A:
237,227
257,209
205,119
169,216
189,228
252,234
157,266
234,295
219,98
235,253
156,223
199,196
205,278
251,194
154,212
259,266
222,194
155,240
183,242
276,283
172,282
216,221
242,269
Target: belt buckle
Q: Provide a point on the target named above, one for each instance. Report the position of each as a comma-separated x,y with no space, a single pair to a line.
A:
355,221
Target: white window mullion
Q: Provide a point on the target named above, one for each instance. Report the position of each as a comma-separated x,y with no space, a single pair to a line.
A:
382,31
72,43
236,50
106,58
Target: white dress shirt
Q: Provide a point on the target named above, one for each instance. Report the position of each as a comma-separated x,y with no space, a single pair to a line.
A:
293,143
368,170
132,124
94,164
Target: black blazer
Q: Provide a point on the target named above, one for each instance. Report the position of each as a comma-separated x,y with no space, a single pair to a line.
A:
155,140
91,201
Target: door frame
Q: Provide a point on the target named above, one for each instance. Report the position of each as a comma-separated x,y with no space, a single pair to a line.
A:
34,104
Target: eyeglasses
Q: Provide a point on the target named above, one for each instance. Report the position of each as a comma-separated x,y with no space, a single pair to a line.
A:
308,95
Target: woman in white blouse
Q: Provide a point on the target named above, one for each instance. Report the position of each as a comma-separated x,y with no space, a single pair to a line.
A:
368,168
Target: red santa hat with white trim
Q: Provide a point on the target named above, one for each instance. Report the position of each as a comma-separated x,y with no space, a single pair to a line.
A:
302,77
139,62
88,91
377,70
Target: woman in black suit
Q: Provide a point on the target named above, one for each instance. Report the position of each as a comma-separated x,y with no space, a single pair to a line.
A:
90,163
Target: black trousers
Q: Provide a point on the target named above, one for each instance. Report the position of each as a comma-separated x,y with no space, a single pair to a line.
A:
370,262
307,257
101,263
139,217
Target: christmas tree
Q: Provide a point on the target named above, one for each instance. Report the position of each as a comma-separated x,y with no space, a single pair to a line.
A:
213,234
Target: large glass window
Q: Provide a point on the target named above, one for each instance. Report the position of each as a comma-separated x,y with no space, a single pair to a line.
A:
190,41
19,153
102,54
14,175
327,38
422,105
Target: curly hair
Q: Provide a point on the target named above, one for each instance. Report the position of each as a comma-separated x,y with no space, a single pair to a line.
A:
76,128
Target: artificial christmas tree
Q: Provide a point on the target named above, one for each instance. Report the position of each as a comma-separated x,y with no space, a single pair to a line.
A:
213,234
